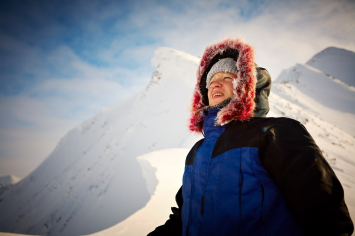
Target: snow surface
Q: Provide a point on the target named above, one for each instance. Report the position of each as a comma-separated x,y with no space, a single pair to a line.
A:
170,165
97,177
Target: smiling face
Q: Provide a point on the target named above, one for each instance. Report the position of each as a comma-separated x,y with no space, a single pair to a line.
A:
221,87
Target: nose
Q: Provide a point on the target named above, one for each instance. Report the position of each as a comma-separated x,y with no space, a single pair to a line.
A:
215,84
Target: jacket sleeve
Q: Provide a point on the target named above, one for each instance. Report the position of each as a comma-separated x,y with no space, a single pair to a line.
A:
310,186
173,226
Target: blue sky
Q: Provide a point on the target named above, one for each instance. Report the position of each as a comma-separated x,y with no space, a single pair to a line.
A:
62,61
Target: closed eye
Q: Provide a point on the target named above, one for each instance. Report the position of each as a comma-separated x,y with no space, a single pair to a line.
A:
224,78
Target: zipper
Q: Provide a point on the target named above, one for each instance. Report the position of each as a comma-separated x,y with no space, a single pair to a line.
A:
262,205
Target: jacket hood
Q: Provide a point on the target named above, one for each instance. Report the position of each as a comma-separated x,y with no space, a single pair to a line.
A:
250,91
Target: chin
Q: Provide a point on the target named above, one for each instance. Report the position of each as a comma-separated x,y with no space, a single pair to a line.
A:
217,101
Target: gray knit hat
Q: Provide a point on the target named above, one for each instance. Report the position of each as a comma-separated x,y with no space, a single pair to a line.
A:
223,65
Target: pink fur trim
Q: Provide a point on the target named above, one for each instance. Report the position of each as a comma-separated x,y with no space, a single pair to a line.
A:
242,104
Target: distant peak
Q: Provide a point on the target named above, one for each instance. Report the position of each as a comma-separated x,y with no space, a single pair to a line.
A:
164,54
336,62
332,51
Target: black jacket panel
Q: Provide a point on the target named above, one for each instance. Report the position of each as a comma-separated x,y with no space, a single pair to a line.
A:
191,156
310,186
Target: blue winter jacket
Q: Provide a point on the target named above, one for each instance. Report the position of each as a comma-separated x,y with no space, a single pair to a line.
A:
231,193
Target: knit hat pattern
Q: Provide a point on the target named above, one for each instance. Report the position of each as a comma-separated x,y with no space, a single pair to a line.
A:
223,65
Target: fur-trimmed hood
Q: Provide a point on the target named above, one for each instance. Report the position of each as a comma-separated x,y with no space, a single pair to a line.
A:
250,90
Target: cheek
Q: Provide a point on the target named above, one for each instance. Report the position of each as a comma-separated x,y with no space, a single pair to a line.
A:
209,93
209,96
230,89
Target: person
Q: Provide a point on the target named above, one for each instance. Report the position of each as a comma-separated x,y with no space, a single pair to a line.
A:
251,175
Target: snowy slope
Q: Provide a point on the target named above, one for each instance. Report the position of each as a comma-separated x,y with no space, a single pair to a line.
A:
329,98
336,62
9,179
92,179
156,212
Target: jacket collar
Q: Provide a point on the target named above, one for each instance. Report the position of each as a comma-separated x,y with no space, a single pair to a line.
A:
210,128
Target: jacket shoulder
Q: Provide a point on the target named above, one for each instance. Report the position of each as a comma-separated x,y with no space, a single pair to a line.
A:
280,127
276,121
287,130
251,133
191,155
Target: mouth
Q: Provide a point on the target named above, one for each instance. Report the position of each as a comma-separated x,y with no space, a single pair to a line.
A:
217,95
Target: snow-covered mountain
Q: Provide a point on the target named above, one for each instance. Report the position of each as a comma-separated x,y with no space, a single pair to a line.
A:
95,178
92,179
